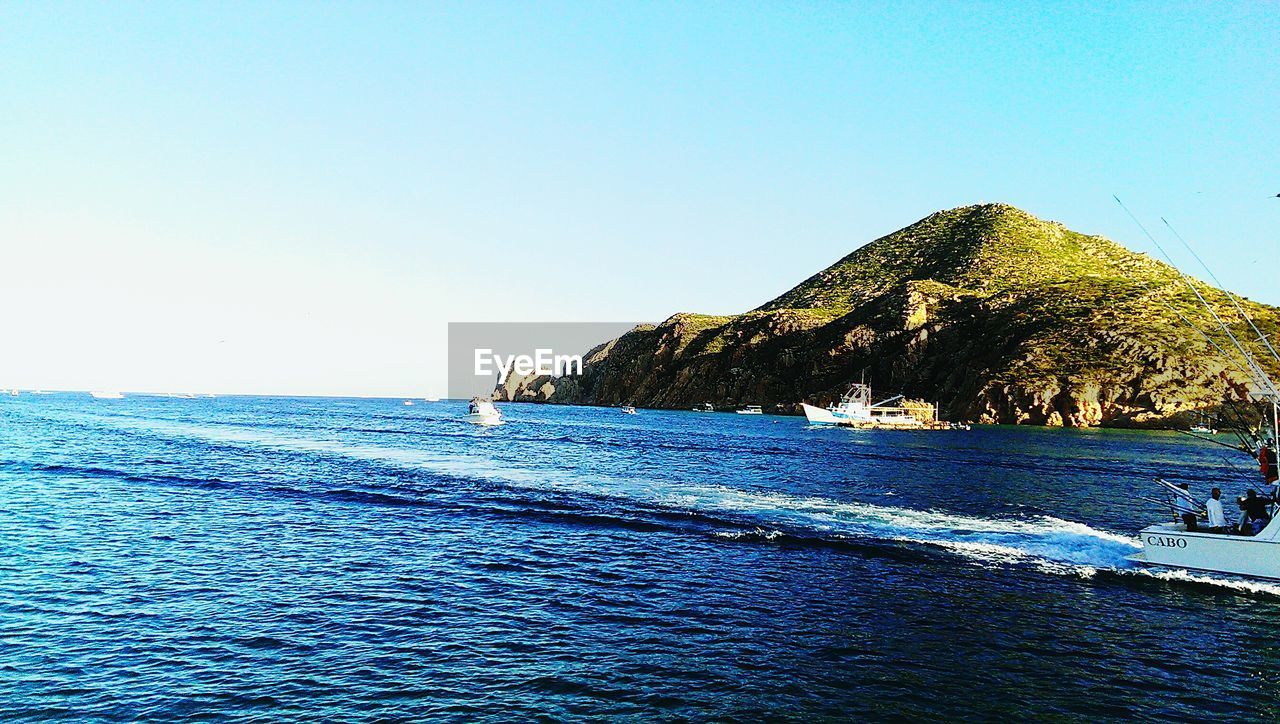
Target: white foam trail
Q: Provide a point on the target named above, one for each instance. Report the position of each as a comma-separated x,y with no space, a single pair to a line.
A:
982,539
1050,544
1181,576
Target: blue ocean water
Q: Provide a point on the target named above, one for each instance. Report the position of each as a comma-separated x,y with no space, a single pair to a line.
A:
272,559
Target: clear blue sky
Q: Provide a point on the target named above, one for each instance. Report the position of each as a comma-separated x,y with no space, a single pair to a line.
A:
296,197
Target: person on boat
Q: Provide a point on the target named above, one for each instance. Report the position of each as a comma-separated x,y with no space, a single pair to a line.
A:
1217,517
1185,506
1256,513
1267,463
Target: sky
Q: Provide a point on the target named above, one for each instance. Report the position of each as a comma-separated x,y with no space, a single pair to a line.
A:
296,198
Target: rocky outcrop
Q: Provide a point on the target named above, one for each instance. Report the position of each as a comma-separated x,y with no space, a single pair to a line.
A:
998,316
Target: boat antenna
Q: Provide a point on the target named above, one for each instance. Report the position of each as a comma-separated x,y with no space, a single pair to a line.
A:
1256,372
1222,288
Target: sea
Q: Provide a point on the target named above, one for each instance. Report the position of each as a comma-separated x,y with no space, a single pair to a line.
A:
267,559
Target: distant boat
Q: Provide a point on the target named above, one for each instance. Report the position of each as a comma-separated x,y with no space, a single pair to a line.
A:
106,395
628,410
1204,426
431,399
482,412
704,407
408,403
751,410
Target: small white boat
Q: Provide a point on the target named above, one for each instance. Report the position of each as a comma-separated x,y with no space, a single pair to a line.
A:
106,395
628,410
1202,429
751,410
408,403
704,407
481,411
431,399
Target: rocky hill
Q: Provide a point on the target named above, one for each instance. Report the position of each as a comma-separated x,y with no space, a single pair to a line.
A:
994,313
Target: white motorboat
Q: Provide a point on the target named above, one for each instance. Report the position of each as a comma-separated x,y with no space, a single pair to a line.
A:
751,410
481,411
628,410
408,403
1238,549
1252,546
1202,429
1171,545
106,395
704,407
855,409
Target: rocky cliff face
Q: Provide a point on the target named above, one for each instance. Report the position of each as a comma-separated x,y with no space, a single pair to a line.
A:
999,316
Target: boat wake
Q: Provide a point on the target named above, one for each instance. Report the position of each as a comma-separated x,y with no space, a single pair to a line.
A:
1047,543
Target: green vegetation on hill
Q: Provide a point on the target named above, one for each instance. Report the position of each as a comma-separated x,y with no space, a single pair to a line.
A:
999,315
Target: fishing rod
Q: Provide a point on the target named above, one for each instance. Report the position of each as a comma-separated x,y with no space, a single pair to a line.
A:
1208,439
1258,375
1247,372
1239,427
1240,423
1222,288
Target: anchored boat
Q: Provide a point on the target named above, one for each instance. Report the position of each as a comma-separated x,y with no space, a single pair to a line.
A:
855,409
751,410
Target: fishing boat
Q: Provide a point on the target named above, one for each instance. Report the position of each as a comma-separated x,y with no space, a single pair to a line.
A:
856,410
481,411
106,395
1199,532
751,410
1203,427
704,407
628,410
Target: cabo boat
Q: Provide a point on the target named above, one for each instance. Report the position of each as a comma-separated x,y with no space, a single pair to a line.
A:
1235,549
628,410
482,412
1251,547
751,410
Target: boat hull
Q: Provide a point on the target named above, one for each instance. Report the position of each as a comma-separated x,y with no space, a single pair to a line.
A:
478,419
1171,546
819,416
